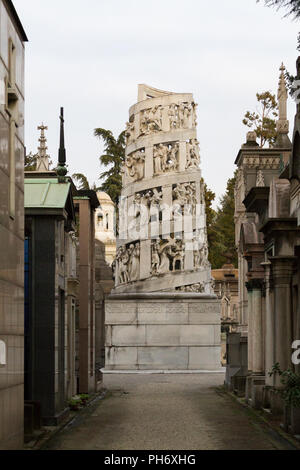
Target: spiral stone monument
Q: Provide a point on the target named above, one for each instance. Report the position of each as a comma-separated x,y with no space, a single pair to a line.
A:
162,313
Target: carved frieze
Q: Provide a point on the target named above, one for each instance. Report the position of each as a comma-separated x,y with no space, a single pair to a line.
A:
182,116
192,154
167,256
146,204
151,120
129,132
165,158
261,162
201,255
199,287
135,165
184,194
128,263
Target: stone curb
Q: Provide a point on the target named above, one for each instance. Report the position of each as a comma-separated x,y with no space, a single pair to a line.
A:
262,418
49,434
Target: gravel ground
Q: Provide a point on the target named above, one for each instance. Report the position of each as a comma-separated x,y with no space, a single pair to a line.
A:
166,412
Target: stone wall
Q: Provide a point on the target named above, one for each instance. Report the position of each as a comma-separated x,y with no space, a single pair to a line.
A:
11,231
179,333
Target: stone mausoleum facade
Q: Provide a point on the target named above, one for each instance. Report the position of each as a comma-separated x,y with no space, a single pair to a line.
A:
162,313
12,53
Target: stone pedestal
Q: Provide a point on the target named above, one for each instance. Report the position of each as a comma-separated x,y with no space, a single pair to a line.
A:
236,367
163,332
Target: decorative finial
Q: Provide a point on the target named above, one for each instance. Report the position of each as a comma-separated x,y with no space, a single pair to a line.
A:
42,159
251,136
61,170
282,125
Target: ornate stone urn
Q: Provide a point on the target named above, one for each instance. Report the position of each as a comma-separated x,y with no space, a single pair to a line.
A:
162,313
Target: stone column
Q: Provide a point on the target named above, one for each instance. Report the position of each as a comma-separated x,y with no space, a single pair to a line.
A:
282,268
257,327
250,328
269,326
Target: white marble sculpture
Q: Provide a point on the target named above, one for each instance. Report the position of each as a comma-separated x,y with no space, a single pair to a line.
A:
162,199
162,313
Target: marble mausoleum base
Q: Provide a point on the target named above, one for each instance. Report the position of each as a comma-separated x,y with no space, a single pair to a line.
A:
163,331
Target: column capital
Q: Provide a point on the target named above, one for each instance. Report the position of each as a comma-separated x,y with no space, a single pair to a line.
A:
282,268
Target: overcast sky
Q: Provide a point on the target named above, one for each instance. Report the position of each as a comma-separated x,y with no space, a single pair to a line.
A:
90,56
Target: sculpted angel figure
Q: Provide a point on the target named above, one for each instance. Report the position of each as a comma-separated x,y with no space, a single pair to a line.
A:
134,269
155,116
186,116
123,259
157,161
193,158
155,257
172,116
173,163
135,165
181,114
197,259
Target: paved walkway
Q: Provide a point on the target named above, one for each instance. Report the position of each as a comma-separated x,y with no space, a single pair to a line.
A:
172,412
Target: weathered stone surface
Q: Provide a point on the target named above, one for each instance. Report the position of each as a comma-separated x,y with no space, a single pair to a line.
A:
167,334
121,358
128,335
204,357
163,358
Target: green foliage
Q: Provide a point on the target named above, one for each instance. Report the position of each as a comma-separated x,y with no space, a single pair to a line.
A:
84,397
292,6
74,403
30,162
113,158
291,382
222,229
210,212
81,180
263,121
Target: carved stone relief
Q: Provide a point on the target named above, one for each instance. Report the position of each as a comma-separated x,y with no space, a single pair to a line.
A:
265,162
182,116
144,202
185,194
167,256
135,165
240,190
129,132
165,158
201,256
199,287
192,154
260,180
128,262
151,120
